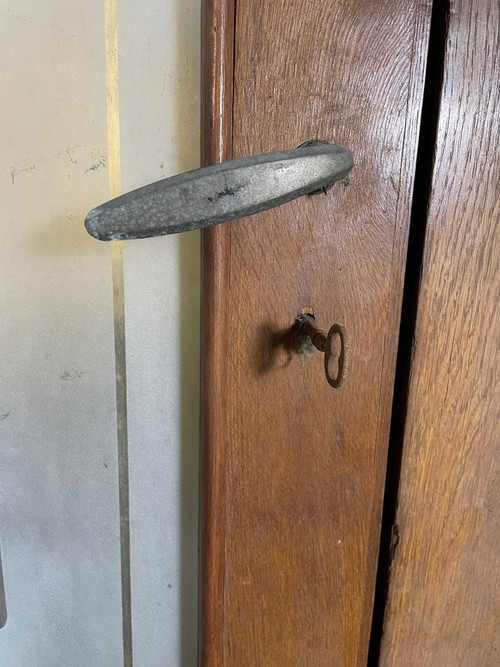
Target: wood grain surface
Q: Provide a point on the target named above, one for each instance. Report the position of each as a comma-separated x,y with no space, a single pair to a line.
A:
217,47
444,597
293,470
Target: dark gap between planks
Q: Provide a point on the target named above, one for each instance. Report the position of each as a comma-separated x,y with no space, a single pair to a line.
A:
389,534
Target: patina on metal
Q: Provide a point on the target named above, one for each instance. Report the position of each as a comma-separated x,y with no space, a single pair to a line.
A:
221,192
324,342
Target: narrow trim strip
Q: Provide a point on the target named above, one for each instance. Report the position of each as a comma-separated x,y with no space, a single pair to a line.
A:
114,171
217,46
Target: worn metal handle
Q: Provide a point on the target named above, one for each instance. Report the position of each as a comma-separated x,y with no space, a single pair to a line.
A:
220,193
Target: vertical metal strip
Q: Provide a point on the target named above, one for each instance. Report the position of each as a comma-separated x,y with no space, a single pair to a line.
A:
114,170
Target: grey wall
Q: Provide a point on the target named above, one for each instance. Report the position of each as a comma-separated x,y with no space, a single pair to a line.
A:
59,514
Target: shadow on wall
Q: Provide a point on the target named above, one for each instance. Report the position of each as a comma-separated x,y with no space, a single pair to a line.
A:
3,605
64,236
190,400
188,106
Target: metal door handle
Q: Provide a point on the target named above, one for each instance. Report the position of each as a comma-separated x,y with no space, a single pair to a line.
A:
220,193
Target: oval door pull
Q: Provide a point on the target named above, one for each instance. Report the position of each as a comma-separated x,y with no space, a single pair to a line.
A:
325,342
221,192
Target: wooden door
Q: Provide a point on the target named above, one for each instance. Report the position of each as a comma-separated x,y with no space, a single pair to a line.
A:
293,470
443,605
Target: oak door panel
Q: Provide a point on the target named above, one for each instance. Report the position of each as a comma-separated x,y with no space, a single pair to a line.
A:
293,469
444,596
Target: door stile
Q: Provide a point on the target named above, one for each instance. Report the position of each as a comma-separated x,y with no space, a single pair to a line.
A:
336,623
217,51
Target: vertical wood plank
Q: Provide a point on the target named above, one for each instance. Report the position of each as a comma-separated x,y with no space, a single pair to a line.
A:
217,44
444,597
306,463
293,470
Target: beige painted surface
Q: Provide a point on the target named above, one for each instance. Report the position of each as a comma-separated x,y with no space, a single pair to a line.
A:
159,112
59,519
